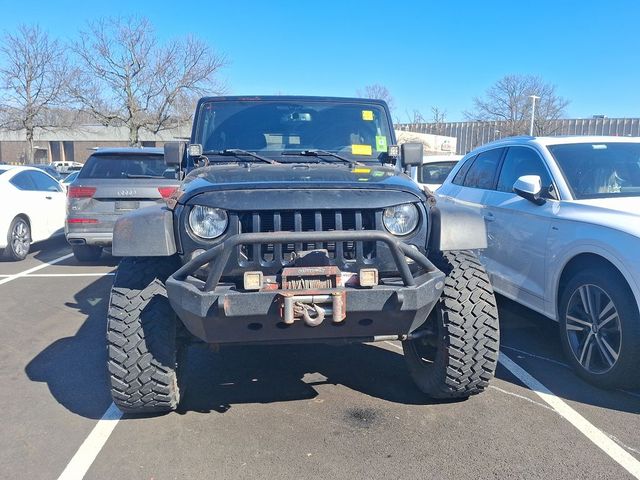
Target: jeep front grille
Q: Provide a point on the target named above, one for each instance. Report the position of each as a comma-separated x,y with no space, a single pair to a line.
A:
268,254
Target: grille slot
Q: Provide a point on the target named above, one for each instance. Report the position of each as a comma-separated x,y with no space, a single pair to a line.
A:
268,254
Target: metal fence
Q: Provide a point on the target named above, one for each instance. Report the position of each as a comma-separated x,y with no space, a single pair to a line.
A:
473,134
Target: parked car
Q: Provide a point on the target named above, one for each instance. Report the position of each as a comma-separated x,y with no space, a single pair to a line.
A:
562,217
434,170
33,209
49,170
113,181
66,167
69,179
295,226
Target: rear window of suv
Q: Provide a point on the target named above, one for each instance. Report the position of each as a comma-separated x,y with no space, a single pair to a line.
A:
126,166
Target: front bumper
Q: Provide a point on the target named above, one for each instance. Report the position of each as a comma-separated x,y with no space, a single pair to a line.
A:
221,314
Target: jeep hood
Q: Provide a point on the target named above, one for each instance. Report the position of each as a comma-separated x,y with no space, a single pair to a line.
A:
296,176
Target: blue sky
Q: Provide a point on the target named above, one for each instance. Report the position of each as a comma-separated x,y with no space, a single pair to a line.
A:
426,53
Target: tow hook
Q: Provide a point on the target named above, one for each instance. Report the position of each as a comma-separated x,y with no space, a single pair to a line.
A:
307,308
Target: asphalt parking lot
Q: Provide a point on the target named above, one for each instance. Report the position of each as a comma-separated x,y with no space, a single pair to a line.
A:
286,412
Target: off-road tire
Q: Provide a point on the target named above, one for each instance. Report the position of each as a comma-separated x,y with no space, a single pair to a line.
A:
624,373
143,338
10,253
86,253
464,332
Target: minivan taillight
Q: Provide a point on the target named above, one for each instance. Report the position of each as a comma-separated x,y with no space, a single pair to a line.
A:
166,192
81,192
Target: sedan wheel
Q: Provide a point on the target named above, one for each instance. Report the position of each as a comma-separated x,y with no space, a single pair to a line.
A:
593,329
600,328
18,240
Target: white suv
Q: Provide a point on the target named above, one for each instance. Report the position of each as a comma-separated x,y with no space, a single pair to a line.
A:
562,218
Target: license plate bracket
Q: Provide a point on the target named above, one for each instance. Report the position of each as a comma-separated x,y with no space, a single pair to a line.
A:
127,204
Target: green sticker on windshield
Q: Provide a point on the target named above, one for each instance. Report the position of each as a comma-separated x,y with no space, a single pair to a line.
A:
381,143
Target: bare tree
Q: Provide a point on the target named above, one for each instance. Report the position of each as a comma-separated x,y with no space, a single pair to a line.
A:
378,92
132,80
34,77
438,115
415,116
508,100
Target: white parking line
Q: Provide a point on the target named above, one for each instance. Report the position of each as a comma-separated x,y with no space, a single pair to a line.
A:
46,275
600,439
77,468
35,269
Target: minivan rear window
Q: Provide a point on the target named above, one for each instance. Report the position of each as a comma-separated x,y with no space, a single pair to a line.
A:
126,166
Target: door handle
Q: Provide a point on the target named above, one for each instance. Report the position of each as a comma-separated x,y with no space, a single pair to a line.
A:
489,217
48,197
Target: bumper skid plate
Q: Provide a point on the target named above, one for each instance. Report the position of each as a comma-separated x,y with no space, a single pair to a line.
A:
219,314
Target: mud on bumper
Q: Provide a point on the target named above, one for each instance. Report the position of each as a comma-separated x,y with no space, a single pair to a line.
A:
221,314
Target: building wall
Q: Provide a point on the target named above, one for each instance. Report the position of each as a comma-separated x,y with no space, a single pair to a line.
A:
470,135
12,151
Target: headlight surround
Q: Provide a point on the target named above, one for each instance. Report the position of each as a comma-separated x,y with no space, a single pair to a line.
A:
402,219
208,222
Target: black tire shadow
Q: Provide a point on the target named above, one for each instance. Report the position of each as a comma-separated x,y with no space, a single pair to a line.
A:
44,250
278,373
74,368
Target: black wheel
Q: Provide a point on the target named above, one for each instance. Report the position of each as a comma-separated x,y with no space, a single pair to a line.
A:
86,253
144,338
18,240
600,328
456,351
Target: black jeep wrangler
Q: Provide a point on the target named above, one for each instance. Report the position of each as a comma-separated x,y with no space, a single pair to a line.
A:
297,223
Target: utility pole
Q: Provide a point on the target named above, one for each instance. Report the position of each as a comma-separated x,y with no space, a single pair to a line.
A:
533,111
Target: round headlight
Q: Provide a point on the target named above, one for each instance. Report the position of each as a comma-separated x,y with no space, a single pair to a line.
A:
208,222
401,219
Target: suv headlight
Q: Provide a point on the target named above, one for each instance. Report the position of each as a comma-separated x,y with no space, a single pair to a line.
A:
208,222
401,219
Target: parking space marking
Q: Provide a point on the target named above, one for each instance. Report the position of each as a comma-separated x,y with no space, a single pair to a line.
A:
599,438
35,269
77,468
533,355
45,275
593,433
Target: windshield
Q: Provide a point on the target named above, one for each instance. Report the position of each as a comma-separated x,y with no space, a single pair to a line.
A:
122,166
600,170
354,130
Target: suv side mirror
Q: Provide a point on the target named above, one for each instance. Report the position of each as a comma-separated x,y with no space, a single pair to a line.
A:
411,154
529,187
173,153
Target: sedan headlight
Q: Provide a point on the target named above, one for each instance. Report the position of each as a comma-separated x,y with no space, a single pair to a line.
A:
207,222
401,219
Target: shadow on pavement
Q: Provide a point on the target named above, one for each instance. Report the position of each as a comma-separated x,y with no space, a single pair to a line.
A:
266,374
523,330
74,368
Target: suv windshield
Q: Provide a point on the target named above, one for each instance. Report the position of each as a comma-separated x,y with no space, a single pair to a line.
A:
358,131
600,170
126,166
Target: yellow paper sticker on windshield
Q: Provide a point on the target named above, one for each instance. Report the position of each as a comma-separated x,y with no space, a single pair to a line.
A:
367,115
361,149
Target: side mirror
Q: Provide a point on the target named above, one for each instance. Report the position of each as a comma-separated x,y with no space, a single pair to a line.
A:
529,187
411,154
173,153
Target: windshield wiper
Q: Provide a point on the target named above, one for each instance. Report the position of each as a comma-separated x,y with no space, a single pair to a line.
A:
321,153
135,175
236,152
